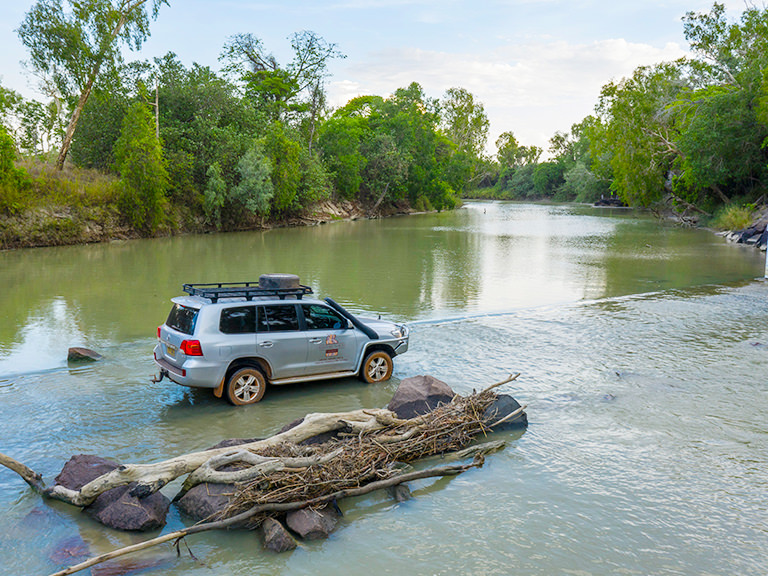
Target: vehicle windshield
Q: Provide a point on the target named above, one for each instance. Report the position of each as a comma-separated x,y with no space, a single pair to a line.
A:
182,319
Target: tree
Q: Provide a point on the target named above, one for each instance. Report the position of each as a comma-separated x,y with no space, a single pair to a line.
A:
13,181
144,178
215,195
255,189
275,89
465,121
636,135
72,43
512,155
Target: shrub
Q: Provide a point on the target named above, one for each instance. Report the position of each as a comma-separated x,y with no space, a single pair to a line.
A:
733,217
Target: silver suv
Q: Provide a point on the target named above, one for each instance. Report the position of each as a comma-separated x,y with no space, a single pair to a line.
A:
236,338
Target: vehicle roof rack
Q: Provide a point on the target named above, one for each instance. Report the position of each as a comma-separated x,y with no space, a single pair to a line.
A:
247,290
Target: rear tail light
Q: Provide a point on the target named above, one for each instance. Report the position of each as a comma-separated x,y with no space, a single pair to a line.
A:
158,332
191,348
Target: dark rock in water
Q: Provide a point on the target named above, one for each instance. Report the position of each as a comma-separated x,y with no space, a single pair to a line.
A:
115,508
503,406
419,395
70,551
276,536
83,355
206,499
400,492
81,469
313,524
763,241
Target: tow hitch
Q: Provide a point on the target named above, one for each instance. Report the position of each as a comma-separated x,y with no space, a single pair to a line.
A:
159,377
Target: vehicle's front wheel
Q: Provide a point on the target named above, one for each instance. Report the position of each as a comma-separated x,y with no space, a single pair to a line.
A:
246,386
377,367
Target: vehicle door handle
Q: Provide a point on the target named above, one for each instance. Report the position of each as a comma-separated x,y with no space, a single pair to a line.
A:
267,344
315,340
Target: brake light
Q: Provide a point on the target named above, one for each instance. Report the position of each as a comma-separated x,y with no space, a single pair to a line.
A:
158,332
191,348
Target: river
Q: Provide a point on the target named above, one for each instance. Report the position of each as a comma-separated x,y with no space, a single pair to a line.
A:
642,349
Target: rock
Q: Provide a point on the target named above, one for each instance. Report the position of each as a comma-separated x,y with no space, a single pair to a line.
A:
501,407
313,524
400,492
419,395
77,354
206,499
115,508
276,536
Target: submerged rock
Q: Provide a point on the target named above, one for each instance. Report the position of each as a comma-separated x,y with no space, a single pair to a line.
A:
77,354
418,395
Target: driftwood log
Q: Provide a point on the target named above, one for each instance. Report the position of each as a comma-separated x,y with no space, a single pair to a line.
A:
279,474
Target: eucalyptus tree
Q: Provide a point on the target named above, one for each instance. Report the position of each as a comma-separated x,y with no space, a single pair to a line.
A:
279,90
73,43
464,121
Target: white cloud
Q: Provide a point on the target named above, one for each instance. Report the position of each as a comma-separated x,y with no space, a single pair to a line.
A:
532,89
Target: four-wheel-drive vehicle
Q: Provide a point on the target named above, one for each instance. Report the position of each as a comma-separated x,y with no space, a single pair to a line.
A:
236,338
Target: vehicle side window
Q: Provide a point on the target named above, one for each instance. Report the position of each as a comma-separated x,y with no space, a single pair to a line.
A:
239,320
321,318
279,318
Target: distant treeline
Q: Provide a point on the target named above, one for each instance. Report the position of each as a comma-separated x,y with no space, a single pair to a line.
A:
188,147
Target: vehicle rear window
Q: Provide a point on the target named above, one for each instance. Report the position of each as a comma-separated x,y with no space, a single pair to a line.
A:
182,319
278,318
239,320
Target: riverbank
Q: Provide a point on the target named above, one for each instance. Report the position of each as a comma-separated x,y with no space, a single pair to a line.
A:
65,225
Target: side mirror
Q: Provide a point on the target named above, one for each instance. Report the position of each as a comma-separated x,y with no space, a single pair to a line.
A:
350,325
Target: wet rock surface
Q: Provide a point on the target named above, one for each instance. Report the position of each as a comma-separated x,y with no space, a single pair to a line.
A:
418,395
312,524
115,508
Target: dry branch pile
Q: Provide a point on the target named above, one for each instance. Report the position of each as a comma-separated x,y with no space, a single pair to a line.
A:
354,460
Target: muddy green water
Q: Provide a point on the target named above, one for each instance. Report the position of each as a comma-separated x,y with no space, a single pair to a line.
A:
644,358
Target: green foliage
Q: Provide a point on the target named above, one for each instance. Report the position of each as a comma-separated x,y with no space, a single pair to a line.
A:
581,185
340,141
547,178
255,189
72,43
733,217
465,121
139,160
14,182
215,195
284,154
98,130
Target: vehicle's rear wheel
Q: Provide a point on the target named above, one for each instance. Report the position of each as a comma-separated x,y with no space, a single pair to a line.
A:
377,367
246,386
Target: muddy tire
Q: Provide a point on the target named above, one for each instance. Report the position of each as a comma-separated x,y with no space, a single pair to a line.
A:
377,367
245,386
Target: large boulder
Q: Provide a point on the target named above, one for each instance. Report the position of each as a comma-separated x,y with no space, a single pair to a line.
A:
276,536
115,508
313,524
503,406
418,395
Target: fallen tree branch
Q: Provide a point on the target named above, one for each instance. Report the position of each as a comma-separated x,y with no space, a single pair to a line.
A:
152,477
271,507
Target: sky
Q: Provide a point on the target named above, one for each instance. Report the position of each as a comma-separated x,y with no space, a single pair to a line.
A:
537,66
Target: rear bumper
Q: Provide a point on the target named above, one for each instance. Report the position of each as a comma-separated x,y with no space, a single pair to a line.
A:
194,373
